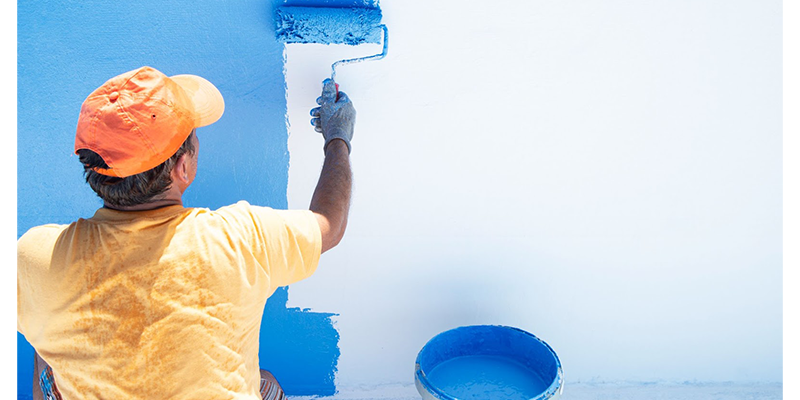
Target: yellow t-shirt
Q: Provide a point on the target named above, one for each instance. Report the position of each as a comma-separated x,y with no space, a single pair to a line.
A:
159,304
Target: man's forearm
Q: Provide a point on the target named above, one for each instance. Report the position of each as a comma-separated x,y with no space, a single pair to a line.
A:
331,199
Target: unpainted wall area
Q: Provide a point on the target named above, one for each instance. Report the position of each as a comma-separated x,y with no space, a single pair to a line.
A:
67,49
605,175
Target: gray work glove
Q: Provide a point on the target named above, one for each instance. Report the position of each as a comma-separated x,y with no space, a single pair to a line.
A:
336,117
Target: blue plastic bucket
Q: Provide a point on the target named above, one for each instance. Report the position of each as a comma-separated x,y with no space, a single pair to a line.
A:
488,362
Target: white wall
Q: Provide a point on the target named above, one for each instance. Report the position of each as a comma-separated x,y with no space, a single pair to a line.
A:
605,175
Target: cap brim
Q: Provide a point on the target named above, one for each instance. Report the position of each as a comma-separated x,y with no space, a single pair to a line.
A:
206,98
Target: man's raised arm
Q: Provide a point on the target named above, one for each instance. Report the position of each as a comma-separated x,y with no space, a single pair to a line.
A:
335,119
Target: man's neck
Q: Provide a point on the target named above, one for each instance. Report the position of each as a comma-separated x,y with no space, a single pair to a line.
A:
172,197
146,206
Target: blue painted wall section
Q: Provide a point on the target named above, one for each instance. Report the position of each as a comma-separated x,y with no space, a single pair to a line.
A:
307,339
67,49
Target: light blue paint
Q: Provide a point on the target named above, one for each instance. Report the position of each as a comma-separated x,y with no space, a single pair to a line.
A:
328,25
487,362
66,49
486,377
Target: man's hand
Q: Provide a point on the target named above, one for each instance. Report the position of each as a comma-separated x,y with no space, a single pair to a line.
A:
335,118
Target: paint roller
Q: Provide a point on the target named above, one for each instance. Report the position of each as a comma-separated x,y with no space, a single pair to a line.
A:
350,22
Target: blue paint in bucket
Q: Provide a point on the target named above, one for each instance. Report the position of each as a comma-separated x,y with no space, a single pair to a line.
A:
488,362
481,377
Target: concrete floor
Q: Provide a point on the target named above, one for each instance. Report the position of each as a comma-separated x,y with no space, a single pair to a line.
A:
705,391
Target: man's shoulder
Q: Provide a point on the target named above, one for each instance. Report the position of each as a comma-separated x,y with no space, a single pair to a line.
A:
42,232
240,208
242,214
36,245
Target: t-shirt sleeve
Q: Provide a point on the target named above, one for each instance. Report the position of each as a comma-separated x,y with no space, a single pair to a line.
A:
288,242
34,250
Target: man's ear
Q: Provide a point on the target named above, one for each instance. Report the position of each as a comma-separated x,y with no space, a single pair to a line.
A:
180,172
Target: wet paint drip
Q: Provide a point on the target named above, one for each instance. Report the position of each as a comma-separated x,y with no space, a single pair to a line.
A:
486,378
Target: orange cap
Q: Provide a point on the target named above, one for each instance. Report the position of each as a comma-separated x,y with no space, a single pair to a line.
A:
139,119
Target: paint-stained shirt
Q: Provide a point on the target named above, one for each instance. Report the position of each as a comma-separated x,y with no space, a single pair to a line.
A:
159,304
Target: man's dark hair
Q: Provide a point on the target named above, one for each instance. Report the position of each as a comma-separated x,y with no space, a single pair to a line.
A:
135,189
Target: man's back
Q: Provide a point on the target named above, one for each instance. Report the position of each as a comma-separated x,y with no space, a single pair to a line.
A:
147,299
164,303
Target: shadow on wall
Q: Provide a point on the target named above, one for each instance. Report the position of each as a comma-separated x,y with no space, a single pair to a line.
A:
299,347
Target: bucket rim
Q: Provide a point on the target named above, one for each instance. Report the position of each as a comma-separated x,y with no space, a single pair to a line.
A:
554,387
